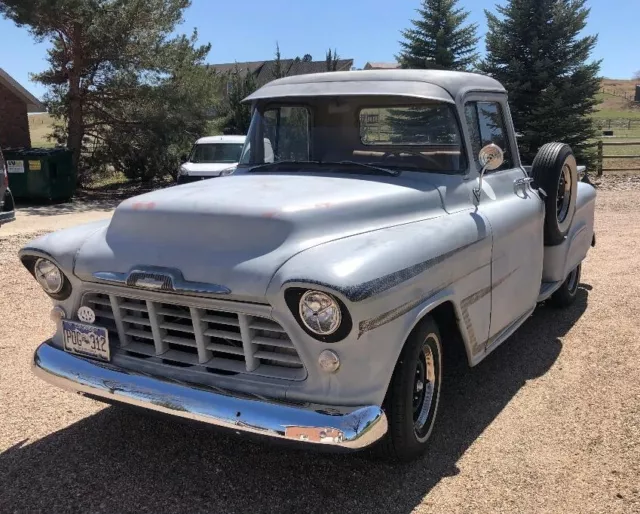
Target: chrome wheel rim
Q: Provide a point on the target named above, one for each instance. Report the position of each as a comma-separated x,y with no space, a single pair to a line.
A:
424,386
564,193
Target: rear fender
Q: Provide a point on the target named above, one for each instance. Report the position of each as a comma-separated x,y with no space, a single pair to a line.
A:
561,259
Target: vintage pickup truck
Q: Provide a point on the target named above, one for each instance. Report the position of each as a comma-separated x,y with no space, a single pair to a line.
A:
309,295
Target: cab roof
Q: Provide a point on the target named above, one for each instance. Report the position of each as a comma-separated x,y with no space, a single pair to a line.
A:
441,85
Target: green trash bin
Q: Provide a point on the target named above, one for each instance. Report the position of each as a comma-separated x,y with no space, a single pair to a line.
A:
44,174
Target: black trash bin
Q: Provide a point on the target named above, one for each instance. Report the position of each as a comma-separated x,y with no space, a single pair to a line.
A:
41,174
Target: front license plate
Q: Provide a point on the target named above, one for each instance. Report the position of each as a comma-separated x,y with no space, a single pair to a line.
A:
86,340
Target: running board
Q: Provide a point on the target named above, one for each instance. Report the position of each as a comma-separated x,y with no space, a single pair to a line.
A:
506,332
547,289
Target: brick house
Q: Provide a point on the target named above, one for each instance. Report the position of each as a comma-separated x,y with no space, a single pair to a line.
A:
15,103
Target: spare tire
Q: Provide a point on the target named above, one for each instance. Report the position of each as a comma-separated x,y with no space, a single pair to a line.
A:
555,171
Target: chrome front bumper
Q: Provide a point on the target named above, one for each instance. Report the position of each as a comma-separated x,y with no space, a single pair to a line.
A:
352,430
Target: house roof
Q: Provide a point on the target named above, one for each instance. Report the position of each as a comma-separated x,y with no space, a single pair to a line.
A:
381,66
264,70
242,66
432,84
32,103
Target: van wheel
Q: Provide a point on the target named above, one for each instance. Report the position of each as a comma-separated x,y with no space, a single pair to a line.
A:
568,291
412,400
555,170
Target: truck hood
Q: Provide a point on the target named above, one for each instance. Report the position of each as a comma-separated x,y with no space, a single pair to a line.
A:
238,230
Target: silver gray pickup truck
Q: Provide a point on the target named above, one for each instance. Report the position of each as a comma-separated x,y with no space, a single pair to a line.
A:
375,218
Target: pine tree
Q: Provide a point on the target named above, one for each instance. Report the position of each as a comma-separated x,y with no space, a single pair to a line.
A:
278,71
236,116
120,76
332,59
439,39
537,50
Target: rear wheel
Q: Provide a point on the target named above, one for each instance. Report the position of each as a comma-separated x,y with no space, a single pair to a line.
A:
568,291
414,394
556,172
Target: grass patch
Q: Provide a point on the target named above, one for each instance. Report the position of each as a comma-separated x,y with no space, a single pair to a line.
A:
41,126
107,181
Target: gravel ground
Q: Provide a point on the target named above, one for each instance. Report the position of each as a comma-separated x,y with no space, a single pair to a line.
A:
550,422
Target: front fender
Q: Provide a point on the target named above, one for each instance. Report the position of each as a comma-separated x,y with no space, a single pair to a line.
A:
388,279
62,246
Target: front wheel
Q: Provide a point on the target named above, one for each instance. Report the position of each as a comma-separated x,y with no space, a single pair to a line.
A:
568,291
412,400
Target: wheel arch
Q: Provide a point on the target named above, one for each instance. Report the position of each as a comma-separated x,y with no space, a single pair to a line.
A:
446,313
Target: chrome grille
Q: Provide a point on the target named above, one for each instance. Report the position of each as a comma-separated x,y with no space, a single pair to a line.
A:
183,336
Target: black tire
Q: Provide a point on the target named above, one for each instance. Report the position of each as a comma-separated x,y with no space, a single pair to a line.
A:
410,413
556,172
568,291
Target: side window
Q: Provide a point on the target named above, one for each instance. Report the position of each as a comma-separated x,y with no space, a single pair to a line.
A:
287,130
486,126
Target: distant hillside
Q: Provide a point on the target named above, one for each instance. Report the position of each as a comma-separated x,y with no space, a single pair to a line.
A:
40,126
614,104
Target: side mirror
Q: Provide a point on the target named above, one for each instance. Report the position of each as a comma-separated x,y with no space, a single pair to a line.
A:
183,158
491,157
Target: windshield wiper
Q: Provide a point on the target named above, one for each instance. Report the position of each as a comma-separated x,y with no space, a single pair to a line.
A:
393,173
276,163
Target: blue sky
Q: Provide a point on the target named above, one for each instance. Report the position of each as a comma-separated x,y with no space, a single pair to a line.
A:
365,30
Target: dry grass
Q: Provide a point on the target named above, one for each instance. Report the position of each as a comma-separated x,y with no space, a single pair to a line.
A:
41,127
549,423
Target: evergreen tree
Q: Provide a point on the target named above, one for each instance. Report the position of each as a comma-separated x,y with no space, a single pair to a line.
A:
118,75
332,59
537,50
439,38
278,70
236,116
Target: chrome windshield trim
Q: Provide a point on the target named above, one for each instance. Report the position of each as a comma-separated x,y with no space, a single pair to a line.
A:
156,278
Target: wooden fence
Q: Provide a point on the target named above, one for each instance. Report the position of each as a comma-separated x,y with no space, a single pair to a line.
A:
627,95
602,157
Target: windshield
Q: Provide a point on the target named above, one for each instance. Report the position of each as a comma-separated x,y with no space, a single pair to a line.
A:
216,152
418,136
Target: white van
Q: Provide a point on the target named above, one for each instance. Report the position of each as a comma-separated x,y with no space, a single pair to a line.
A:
210,156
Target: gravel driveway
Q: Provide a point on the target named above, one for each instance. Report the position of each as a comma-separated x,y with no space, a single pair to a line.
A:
550,422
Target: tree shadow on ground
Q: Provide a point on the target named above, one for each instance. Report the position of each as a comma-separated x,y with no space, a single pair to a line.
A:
73,207
103,198
119,461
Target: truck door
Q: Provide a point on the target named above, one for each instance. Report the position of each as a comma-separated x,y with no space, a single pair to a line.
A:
514,211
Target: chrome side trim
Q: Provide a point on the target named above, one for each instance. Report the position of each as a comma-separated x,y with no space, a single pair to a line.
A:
352,430
160,279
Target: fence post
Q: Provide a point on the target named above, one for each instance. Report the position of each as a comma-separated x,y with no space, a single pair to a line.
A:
600,157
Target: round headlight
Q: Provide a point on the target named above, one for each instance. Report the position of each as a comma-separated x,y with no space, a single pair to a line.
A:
48,276
320,313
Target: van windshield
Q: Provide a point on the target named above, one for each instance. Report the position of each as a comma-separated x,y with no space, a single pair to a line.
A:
387,132
205,153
